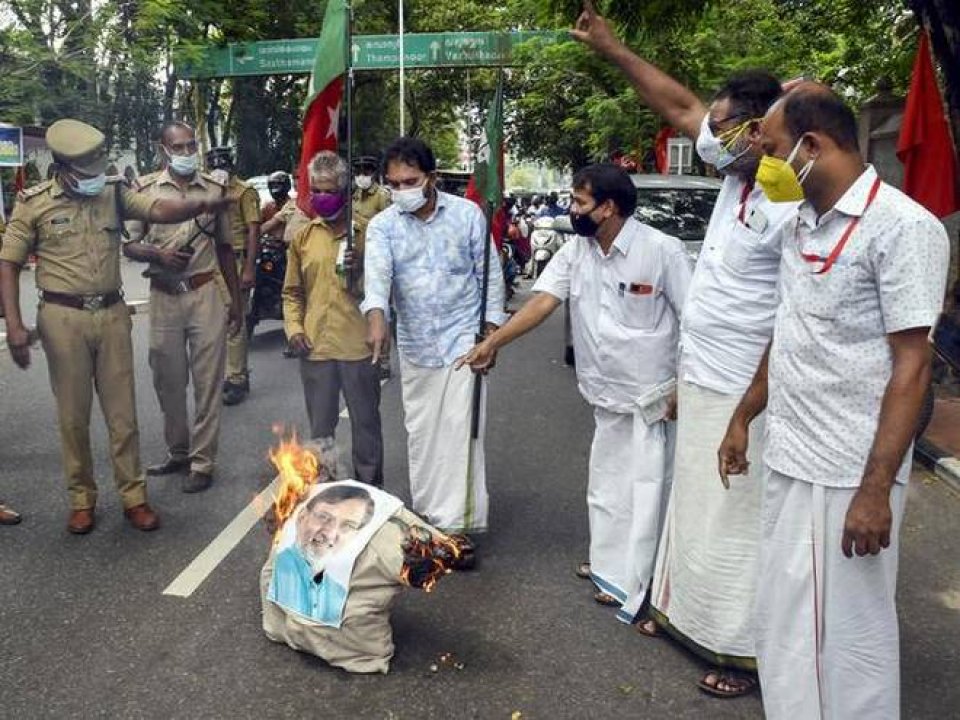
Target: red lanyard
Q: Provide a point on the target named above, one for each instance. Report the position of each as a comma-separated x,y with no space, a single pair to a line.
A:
838,248
743,200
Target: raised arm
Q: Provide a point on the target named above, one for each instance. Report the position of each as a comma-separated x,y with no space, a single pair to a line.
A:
661,93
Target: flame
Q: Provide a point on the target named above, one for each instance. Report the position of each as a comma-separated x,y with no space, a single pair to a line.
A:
299,470
427,558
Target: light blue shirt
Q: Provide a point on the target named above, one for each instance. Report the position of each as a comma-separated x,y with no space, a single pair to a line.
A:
293,588
435,269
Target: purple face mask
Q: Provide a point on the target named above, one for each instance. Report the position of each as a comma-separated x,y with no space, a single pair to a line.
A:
327,205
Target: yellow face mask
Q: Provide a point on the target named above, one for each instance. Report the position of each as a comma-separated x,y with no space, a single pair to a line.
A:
778,180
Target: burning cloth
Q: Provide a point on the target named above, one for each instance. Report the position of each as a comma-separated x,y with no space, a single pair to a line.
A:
340,560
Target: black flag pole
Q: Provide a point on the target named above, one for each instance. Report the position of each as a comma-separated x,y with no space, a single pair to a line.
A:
484,288
348,113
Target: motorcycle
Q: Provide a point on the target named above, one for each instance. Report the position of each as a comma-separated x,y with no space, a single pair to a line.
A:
545,241
267,300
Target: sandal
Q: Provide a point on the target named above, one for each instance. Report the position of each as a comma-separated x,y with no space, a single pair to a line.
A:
647,627
606,599
8,516
730,684
583,571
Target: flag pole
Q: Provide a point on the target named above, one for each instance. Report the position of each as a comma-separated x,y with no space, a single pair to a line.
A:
348,113
485,282
402,81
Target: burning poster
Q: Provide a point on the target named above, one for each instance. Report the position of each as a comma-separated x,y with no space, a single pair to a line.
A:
319,546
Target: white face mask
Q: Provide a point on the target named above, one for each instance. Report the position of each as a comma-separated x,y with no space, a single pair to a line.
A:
712,150
183,165
364,182
90,187
410,200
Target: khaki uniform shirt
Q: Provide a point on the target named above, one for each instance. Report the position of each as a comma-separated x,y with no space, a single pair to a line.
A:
367,203
293,220
208,228
315,300
77,240
243,212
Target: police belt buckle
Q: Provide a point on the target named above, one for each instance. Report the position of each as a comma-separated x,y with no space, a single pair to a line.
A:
93,302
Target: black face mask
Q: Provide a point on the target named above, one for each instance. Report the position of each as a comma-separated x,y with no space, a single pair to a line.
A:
583,224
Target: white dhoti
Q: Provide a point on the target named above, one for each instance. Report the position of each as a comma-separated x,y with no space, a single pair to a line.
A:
629,484
706,571
447,471
827,641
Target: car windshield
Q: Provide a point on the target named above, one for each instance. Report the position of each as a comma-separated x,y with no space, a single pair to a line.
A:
683,213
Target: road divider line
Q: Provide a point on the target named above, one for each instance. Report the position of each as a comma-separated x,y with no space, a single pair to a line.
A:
211,556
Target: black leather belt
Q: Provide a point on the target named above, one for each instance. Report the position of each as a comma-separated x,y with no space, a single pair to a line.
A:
82,302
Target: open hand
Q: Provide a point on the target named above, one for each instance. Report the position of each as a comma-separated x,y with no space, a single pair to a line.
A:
481,358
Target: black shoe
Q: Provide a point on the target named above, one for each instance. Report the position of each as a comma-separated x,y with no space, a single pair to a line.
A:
169,467
196,482
234,393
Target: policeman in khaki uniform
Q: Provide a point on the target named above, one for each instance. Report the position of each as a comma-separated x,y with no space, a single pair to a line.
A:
370,197
244,218
190,310
73,224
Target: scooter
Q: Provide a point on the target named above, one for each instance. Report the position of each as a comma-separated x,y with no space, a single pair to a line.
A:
545,241
267,300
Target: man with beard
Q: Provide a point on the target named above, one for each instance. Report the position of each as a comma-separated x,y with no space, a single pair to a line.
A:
705,578
328,520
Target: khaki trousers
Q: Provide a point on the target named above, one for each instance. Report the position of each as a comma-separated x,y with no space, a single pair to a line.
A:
188,335
85,351
238,371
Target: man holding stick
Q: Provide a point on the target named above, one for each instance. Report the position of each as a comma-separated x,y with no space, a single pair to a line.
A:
428,248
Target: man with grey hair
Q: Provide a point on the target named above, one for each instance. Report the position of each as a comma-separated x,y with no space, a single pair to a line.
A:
323,322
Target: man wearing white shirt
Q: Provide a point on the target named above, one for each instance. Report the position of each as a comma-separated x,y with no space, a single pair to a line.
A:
862,281
705,576
626,283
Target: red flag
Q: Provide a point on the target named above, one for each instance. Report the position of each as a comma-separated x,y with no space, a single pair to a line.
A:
925,148
322,108
660,149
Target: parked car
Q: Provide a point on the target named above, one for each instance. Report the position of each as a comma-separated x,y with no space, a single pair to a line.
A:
679,205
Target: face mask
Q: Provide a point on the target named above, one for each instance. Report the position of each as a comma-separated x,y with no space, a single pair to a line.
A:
184,165
364,182
778,180
327,205
410,200
583,224
716,151
90,187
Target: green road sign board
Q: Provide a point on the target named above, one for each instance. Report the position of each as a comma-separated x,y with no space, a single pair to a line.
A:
368,52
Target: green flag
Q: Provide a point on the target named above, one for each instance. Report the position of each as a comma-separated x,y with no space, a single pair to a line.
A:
487,177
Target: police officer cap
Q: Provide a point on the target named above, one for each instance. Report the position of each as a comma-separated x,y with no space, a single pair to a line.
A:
367,162
78,145
219,157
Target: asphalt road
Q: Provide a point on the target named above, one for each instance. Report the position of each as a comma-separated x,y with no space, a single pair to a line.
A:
86,632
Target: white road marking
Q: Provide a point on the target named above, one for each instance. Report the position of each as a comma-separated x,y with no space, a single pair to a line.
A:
211,556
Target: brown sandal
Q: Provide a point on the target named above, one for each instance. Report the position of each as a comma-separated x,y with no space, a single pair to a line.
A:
606,599
647,627
729,684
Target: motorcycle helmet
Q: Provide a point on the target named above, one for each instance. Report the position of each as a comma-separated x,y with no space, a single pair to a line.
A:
220,158
279,183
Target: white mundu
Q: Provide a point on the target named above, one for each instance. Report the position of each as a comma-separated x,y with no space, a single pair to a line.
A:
705,575
625,311
827,626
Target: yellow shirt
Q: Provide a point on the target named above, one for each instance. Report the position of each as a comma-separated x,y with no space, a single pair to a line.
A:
367,203
211,228
77,240
315,300
244,212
